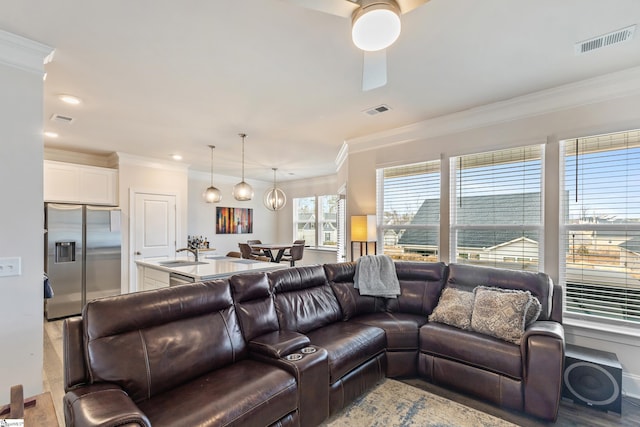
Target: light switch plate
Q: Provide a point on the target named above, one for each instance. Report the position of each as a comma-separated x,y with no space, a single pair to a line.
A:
10,266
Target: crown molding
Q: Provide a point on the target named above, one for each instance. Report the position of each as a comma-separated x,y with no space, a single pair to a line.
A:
24,54
101,160
343,154
598,89
147,162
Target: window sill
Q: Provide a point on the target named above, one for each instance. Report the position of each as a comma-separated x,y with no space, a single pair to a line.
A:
320,249
595,329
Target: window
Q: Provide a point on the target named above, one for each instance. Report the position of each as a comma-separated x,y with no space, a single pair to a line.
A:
316,220
496,208
601,226
409,210
304,220
328,220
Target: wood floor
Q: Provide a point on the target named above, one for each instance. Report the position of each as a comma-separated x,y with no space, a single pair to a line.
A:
570,414
52,365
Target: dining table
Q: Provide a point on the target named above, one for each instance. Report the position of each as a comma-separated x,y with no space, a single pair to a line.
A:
270,248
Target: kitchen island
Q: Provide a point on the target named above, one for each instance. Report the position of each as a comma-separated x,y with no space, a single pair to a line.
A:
156,273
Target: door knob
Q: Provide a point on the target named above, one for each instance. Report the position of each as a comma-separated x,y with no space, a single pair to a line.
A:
138,253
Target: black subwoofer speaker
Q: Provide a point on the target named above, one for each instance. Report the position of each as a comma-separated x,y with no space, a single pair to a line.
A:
592,378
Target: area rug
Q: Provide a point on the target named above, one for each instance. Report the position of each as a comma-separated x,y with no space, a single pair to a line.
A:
393,403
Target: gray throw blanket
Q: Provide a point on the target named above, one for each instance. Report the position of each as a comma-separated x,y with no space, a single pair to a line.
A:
376,276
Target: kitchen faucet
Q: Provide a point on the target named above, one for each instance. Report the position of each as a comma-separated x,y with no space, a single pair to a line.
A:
193,251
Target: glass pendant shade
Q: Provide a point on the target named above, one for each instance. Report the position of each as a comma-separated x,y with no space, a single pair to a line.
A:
212,194
242,191
376,26
274,198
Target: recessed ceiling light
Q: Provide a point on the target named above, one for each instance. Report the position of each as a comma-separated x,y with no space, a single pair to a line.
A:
176,157
69,99
51,134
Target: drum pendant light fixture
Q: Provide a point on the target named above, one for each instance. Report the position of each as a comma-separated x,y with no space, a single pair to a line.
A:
242,191
212,194
376,24
274,198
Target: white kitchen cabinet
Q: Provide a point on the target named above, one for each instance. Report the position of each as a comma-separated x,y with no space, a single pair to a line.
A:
154,279
73,183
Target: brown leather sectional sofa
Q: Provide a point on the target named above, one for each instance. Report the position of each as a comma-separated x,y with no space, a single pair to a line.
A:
293,346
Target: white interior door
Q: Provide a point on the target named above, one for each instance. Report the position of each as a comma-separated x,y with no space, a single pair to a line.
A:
155,226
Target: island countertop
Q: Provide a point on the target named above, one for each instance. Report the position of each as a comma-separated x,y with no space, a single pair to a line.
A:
212,267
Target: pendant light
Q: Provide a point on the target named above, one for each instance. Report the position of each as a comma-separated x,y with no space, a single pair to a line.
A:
274,198
242,191
212,194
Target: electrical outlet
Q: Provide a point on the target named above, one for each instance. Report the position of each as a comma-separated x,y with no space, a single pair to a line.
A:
10,266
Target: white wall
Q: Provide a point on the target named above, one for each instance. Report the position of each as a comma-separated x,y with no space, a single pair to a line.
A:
601,105
202,215
21,215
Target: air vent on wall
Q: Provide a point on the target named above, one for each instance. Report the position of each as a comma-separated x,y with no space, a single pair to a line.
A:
605,40
62,119
377,110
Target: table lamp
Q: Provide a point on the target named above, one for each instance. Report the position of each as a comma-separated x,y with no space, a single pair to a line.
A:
363,230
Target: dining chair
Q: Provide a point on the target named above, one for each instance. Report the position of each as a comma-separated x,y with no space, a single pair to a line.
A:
256,252
297,251
287,253
245,251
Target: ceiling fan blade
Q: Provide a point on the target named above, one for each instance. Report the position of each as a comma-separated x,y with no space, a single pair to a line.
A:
409,5
343,8
374,70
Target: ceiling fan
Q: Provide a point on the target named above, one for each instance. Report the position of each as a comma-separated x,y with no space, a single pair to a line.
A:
375,25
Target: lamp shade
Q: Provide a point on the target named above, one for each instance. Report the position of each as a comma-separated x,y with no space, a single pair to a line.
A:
212,195
376,26
242,191
363,228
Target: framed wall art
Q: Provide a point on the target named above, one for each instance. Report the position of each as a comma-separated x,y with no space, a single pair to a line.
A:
234,220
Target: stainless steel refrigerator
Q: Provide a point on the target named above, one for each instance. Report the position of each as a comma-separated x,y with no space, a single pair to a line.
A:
82,255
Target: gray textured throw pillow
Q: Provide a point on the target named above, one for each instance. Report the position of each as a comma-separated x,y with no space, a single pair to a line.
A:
533,312
454,308
500,312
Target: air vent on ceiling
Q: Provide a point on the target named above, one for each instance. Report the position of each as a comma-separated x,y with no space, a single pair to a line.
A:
605,40
62,119
377,110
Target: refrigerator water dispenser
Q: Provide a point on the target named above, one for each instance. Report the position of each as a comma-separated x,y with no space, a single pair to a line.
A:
65,252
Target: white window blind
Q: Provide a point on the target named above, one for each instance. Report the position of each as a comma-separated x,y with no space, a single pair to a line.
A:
341,255
601,226
328,221
496,208
408,210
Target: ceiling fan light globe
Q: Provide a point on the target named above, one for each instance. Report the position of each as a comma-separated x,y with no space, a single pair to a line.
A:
375,28
212,195
275,199
242,192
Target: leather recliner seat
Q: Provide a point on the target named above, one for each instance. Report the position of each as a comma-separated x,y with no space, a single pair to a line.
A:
305,303
170,357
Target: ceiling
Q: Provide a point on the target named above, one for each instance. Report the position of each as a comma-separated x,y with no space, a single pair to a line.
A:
163,77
